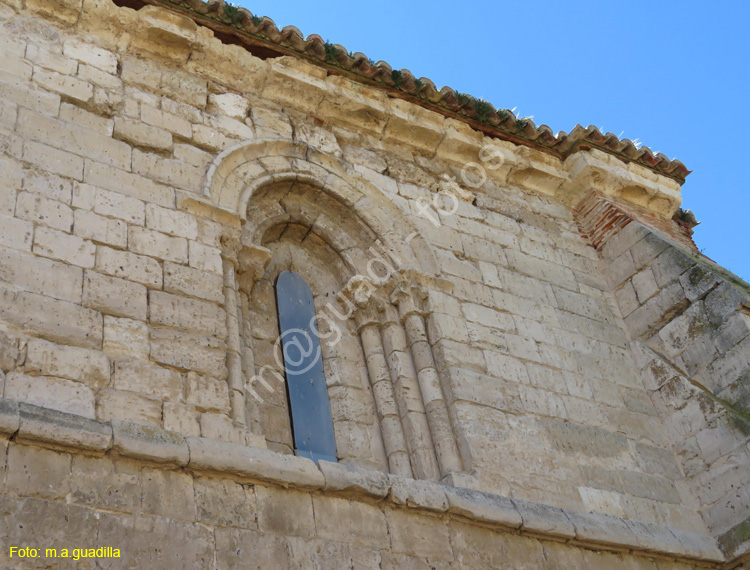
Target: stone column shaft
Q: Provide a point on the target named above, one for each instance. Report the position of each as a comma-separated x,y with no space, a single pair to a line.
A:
429,385
252,263
235,379
390,421
413,416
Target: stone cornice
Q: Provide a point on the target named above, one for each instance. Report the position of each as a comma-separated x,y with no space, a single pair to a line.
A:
33,424
260,36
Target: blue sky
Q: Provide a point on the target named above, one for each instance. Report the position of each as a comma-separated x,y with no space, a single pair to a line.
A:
673,75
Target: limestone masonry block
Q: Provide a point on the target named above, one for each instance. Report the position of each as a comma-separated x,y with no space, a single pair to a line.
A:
128,406
142,135
40,275
229,104
51,392
149,443
125,338
91,55
44,424
91,226
113,296
123,264
156,244
89,367
154,381
64,247
253,462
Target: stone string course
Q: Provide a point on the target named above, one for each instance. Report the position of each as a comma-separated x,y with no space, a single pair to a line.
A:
36,471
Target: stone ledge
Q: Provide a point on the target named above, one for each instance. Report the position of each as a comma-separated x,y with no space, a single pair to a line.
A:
10,416
70,430
545,520
254,463
485,507
345,479
150,443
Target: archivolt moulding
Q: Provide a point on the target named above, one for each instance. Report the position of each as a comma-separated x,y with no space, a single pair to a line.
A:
240,171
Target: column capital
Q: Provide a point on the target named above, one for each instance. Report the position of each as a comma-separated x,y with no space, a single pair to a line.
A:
409,297
252,262
367,301
230,245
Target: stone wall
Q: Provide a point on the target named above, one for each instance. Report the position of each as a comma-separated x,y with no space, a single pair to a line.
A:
154,181
179,502
690,329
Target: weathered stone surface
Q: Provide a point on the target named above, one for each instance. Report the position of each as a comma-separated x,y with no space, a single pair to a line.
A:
342,520
39,275
187,314
601,529
148,442
10,418
250,549
419,535
225,503
168,493
193,282
483,506
51,392
128,406
138,268
80,364
253,462
125,338
198,353
177,544
155,381
37,472
9,351
99,229
113,296
340,477
412,492
44,424
101,482
285,512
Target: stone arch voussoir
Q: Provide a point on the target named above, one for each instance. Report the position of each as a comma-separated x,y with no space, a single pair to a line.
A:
240,171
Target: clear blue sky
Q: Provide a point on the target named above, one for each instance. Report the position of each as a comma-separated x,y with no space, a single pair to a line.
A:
673,75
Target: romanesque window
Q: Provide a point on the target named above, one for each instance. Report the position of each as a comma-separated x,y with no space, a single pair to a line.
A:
307,393
312,234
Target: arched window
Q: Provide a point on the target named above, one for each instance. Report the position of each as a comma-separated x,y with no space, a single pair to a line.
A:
310,410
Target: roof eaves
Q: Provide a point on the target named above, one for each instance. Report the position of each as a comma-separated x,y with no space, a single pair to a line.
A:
260,35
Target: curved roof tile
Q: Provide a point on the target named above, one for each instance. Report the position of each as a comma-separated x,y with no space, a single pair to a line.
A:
501,123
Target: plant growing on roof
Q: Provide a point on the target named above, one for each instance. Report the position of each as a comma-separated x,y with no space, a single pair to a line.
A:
331,50
462,98
482,110
232,12
257,20
419,84
398,78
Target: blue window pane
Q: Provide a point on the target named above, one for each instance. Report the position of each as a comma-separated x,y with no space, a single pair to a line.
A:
312,425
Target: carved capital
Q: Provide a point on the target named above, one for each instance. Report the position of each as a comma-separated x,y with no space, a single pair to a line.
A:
409,297
252,262
365,300
230,246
